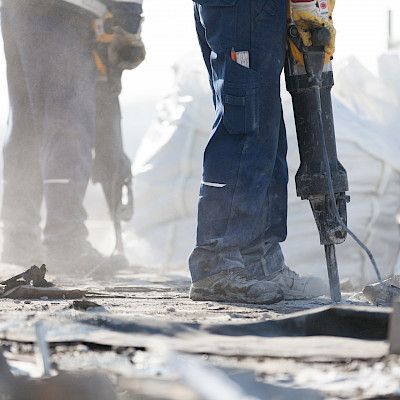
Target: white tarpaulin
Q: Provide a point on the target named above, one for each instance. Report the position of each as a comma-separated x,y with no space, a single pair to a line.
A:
168,172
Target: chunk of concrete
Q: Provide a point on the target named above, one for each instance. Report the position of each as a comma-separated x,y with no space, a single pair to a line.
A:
383,293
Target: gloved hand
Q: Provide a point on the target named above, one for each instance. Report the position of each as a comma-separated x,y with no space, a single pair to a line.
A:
312,14
126,50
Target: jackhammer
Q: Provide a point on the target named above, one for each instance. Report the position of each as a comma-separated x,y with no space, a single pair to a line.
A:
321,178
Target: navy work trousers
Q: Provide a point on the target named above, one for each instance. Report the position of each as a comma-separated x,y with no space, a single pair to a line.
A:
242,207
51,80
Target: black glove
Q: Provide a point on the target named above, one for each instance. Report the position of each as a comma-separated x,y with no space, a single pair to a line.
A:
126,50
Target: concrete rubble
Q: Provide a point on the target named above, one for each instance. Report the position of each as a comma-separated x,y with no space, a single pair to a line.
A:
383,293
140,337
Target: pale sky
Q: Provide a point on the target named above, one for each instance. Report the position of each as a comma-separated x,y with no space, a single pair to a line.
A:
169,35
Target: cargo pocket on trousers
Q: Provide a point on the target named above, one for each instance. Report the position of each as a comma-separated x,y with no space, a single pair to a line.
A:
240,98
241,113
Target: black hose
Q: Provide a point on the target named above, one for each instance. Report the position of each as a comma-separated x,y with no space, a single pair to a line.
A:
331,190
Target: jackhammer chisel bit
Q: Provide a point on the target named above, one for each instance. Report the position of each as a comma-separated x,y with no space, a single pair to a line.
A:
333,273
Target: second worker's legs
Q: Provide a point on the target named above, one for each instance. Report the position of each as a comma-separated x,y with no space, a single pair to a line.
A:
54,47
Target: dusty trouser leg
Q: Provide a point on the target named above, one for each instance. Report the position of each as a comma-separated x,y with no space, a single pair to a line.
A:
239,161
264,257
69,126
22,191
54,46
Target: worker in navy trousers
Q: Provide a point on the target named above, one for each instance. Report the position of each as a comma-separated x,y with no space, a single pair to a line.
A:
242,207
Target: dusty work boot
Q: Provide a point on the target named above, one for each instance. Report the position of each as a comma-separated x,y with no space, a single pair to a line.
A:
234,286
86,263
296,287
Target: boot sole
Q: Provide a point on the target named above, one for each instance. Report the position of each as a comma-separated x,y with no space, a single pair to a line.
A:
207,295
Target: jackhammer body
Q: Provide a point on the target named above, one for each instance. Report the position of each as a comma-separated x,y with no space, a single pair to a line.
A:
320,171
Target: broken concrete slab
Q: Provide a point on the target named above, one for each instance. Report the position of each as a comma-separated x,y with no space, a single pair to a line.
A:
357,322
48,293
369,323
106,330
383,293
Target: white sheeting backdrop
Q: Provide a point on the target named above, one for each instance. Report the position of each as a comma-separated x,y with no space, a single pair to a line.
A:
168,172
